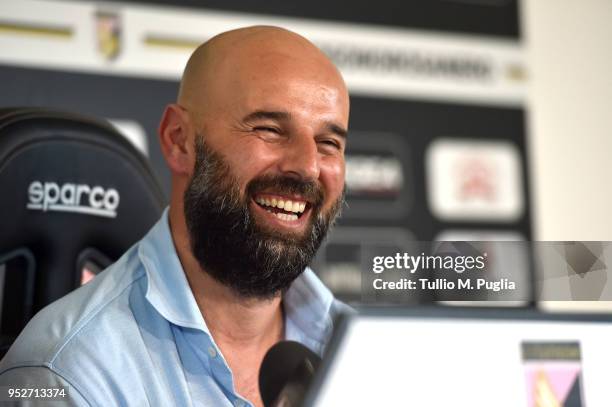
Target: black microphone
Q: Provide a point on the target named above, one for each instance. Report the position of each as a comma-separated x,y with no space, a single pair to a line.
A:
285,374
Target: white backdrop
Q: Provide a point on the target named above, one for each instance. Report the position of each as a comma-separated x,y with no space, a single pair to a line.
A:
569,54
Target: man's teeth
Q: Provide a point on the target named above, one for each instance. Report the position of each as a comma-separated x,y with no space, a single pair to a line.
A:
287,205
285,216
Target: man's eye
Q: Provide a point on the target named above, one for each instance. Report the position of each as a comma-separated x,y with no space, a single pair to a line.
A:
267,129
331,143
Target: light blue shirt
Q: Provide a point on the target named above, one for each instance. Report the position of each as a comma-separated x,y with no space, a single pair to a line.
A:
135,335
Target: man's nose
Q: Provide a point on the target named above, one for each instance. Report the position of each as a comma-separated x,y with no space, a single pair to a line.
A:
301,158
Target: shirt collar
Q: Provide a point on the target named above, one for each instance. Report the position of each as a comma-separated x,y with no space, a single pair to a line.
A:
308,306
168,289
307,303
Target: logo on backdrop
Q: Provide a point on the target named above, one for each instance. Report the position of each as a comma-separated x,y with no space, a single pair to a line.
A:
76,198
474,179
374,175
108,34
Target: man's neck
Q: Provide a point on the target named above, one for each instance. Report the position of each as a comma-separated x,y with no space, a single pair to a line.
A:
234,320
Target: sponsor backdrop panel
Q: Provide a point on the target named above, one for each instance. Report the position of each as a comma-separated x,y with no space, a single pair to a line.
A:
488,17
437,138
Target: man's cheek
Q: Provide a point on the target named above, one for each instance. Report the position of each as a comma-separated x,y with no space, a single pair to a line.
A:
333,171
335,193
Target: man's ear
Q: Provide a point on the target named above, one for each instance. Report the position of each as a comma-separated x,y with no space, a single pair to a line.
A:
176,145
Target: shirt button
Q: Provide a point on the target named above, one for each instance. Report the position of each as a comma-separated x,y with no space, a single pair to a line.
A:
239,403
212,352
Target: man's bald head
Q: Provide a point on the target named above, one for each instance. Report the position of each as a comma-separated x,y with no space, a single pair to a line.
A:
251,54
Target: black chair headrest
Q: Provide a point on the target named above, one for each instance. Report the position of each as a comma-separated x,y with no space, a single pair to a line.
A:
70,185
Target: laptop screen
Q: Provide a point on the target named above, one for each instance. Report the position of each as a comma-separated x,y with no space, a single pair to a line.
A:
467,358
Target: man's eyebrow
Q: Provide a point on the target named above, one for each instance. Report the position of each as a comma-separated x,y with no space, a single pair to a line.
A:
337,129
265,114
282,115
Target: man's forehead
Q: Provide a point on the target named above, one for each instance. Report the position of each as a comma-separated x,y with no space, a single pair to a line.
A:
290,103
287,87
273,65
291,77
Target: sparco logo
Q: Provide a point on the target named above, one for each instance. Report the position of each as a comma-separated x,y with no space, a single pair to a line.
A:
79,198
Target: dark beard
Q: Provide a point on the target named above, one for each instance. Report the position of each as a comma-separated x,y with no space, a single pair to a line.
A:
253,260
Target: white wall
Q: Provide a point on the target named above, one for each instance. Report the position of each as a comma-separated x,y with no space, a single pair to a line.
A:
569,49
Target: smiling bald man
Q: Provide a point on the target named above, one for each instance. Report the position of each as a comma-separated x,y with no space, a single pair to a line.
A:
255,144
